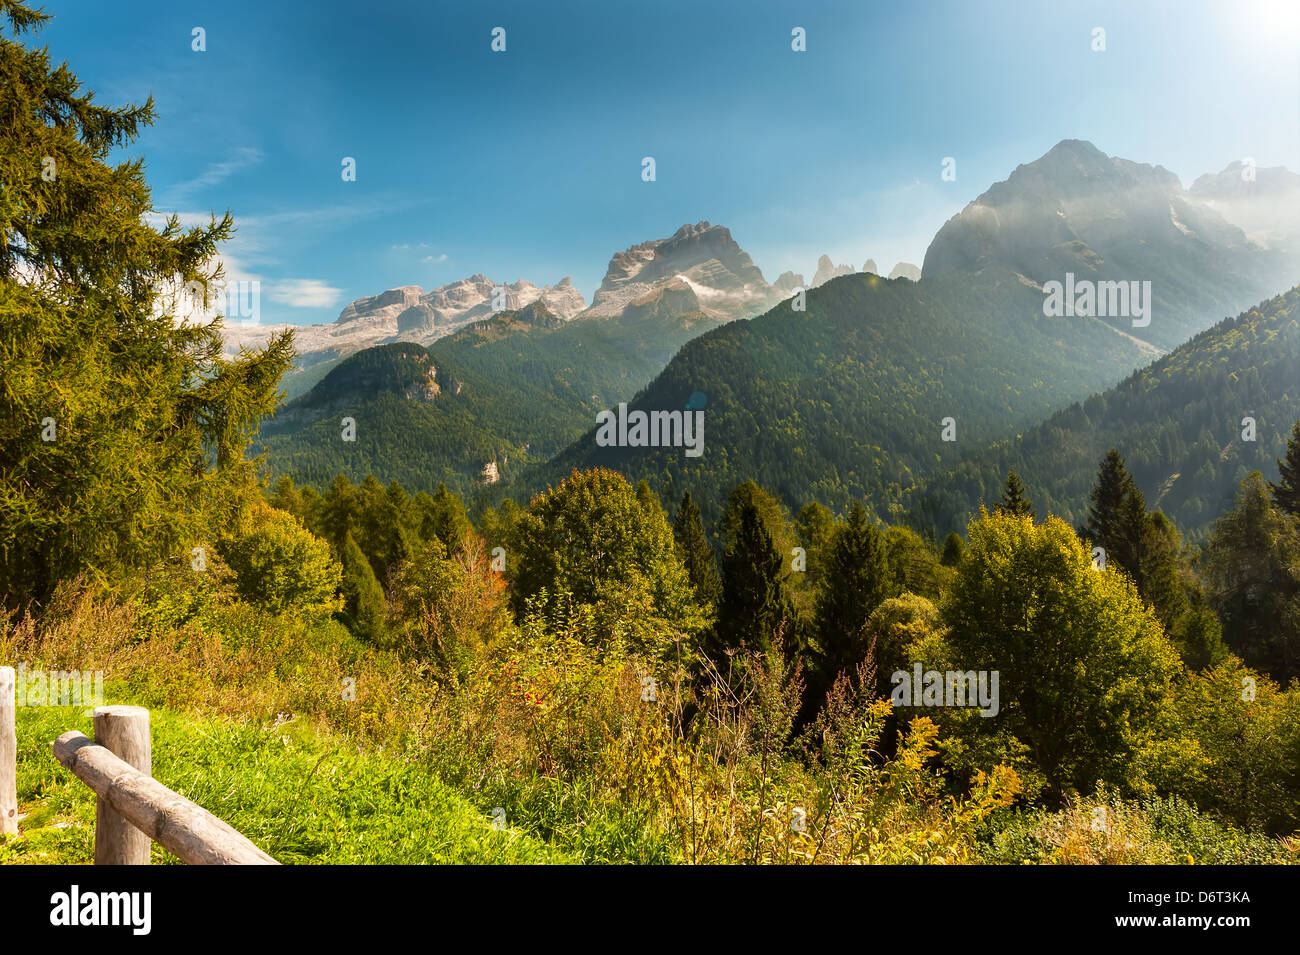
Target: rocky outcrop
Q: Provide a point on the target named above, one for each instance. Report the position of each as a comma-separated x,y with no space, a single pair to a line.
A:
477,297
827,270
788,282
906,270
416,320
426,390
705,257
563,299
380,307
676,297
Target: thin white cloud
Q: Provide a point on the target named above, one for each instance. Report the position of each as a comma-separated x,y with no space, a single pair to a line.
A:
435,259
264,245
244,157
302,293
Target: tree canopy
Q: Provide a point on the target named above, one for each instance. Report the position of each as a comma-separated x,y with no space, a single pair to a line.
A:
122,429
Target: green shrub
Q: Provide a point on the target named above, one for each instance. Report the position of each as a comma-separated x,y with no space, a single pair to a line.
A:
279,565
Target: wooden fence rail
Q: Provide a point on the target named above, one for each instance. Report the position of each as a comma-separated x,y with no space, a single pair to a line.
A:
131,807
8,754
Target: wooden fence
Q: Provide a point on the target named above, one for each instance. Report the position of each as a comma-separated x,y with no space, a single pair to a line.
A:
131,807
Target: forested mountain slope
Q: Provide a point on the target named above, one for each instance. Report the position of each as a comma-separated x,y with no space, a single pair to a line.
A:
513,388
847,398
1178,423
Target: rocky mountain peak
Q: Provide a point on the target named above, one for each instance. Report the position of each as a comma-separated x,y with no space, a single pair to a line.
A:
410,314
789,281
1262,202
394,298
1076,211
1076,169
721,274
827,270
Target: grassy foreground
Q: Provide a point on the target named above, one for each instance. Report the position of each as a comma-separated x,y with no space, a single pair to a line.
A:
250,719
299,795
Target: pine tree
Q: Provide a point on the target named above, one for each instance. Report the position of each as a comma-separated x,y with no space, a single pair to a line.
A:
340,512
696,554
1128,548
1252,565
1286,493
857,578
122,430
400,526
1145,546
754,610
1014,500
1117,515
442,516
363,598
814,527
1198,635
285,497
1107,499
1159,579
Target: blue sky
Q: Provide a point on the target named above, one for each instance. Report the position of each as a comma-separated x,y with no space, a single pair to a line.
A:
527,163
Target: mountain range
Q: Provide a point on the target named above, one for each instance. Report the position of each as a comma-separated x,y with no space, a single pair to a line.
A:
847,397
700,268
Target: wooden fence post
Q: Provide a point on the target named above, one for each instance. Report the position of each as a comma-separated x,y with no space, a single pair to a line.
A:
8,754
123,731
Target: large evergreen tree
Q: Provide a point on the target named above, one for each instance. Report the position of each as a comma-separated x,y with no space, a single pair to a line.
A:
1144,546
1116,512
814,527
857,577
1253,568
755,610
442,515
364,607
695,552
1159,574
340,512
122,430
953,549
